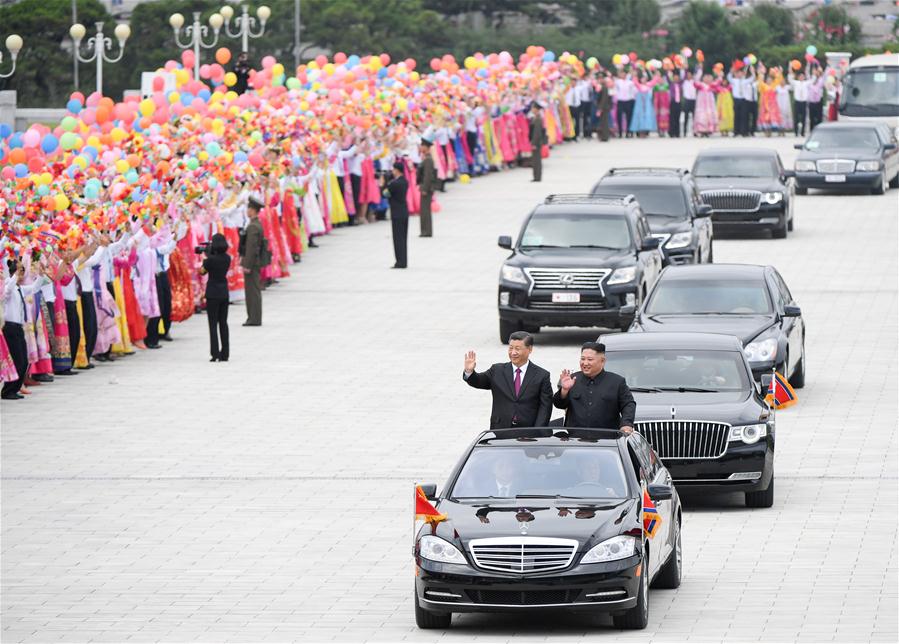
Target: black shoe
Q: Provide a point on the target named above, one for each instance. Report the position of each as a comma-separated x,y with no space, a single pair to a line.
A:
43,377
68,372
89,366
223,359
426,235
154,346
101,358
213,359
166,337
398,266
12,396
252,324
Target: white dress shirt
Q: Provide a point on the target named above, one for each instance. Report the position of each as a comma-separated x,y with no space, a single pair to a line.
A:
625,89
85,270
14,297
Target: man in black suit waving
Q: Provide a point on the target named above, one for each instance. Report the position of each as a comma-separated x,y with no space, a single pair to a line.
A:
522,393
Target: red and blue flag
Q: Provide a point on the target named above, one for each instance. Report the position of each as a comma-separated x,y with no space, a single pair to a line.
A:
780,393
651,517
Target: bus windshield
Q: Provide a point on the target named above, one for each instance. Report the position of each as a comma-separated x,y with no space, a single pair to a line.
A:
870,92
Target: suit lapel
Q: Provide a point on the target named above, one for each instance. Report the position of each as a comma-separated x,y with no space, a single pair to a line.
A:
508,371
528,377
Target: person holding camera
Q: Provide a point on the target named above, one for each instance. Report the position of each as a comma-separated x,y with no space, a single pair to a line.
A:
216,265
252,263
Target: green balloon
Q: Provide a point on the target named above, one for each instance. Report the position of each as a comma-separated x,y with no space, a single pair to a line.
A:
131,176
294,83
192,163
69,123
68,140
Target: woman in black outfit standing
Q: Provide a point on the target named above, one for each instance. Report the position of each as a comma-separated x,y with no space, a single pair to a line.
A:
216,265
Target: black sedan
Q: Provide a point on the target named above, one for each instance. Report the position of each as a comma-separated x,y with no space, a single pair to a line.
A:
699,407
746,188
840,155
747,301
549,518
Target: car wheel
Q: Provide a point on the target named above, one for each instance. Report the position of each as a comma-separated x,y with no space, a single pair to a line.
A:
427,619
801,191
781,231
797,381
791,222
882,187
762,499
506,329
894,182
711,258
669,576
637,617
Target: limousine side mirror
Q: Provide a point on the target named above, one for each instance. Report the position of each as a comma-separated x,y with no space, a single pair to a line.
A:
792,311
889,146
704,210
650,243
659,492
430,490
789,174
505,241
799,146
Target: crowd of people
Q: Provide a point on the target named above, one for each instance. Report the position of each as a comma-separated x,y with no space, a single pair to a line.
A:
129,217
639,99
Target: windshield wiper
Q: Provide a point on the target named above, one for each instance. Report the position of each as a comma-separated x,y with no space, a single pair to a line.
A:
541,246
646,390
594,246
697,390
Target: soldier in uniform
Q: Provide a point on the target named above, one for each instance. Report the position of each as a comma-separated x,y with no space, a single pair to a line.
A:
427,183
252,265
538,139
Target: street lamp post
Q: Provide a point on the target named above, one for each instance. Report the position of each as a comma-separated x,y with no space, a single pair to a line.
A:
196,32
14,45
99,44
246,24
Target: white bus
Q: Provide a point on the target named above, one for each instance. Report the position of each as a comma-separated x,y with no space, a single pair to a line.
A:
871,90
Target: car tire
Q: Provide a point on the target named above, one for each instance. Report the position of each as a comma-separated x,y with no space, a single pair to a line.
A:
425,619
894,182
711,258
670,574
763,498
791,223
801,191
637,617
882,187
797,380
506,329
781,231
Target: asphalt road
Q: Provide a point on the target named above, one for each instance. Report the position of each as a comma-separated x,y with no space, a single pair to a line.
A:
163,497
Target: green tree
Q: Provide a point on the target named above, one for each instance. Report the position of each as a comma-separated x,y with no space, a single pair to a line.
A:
635,16
704,25
44,75
781,28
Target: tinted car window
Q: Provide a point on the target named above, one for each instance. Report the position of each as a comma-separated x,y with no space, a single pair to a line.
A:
830,138
656,200
673,368
709,296
722,166
576,472
570,230
782,287
870,92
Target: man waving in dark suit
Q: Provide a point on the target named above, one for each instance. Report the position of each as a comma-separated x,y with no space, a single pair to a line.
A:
522,393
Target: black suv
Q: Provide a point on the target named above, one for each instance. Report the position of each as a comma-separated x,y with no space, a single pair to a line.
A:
699,407
580,260
671,203
746,188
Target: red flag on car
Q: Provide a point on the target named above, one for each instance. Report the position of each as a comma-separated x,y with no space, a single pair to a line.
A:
424,509
780,393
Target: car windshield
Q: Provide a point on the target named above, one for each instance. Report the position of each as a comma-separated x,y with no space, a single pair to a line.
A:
671,369
733,166
542,471
847,137
571,230
870,92
656,200
672,297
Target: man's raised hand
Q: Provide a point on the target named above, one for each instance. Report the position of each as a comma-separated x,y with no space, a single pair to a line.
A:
471,361
566,381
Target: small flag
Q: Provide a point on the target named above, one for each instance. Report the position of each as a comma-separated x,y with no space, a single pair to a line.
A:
651,518
424,509
780,393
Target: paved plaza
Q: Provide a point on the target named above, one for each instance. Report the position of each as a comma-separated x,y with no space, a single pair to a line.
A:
167,498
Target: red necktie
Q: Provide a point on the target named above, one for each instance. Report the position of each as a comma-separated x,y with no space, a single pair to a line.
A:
517,381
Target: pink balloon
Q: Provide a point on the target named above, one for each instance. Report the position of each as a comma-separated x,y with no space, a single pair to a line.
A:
31,138
269,61
78,96
171,66
256,159
88,116
340,58
94,99
385,59
187,58
8,173
204,71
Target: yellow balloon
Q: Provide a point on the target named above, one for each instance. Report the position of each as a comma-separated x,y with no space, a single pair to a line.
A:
385,107
181,77
230,79
203,155
402,104
278,69
81,162
230,95
304,105
464,178
118,134
312,65
93,141
46,178
328,69
147,107
122,166
174,97
61,201
414,76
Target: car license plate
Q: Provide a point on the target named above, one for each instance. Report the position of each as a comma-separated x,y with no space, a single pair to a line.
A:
566,298
835,178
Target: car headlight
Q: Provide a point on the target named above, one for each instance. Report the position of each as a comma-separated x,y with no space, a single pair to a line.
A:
749,434
761,351
437,549
623,275
804,166
620,547
514,274
772,198
679,240
868,166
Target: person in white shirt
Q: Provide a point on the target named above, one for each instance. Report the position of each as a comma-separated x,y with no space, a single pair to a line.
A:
14,294
800,102
625,94
689,109
84,274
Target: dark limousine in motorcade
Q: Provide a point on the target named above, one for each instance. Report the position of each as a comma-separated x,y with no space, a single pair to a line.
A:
698,406
549,518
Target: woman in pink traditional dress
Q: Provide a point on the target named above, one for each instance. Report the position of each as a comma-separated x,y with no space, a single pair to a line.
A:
108,332
661,99
769,119
37,339
705,118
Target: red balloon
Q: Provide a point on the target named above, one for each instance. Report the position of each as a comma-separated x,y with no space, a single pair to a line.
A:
256,159
436,64
35,164
158,84
340,58
321,60
385,59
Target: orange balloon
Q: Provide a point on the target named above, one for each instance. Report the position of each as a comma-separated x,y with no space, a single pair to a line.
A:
17,155
103,114
133,160
222,55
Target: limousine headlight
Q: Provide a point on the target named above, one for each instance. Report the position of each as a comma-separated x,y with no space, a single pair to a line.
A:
749,434
804,166
867,166
620,547
437,549
761,350
772,198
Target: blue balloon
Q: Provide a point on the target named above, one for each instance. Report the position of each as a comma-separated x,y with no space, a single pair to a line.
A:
49,143
240,157
91,191
74,106
5,131
43,190
352,61
204,94
90,150
15,141
549,57
2,154
482,73
186,98
21,170
382,72
455,80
